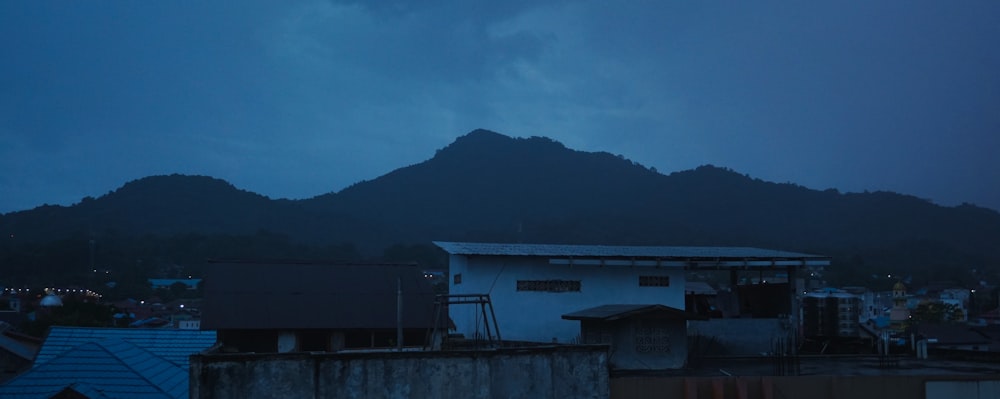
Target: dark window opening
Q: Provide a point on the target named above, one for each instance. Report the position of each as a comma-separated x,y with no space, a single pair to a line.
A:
654,281
549,285
458,278
261,341
314,341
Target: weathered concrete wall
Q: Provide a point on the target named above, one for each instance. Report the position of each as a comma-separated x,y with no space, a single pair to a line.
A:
821,387
551,372
963,389
740,336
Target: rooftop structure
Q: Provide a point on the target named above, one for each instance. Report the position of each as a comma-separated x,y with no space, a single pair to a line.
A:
299,295
553,280
663,256
172,345
76,362
109,368
289,306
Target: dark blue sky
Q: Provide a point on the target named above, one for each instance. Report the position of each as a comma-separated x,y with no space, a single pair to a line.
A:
299,98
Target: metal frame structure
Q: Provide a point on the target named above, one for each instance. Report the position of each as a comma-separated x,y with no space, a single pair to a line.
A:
443,302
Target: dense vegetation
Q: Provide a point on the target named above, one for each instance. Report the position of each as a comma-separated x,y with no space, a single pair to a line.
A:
489,187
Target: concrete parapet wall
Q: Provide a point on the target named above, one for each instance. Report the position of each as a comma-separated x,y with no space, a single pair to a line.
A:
821,387
550,372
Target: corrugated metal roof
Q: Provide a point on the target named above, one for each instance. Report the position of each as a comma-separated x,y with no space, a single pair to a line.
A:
600,251
173,345
301,295
616,312
111,368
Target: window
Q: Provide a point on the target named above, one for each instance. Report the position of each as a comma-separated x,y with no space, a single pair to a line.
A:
458,278
549,285
652,340
654,281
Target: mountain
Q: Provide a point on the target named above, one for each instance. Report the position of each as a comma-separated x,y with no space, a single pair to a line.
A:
489,187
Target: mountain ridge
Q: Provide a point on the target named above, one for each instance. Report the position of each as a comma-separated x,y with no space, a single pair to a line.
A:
486,186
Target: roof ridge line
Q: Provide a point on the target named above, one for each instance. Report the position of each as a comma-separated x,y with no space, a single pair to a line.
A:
129,366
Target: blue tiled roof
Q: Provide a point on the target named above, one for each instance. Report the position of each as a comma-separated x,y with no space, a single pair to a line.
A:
111,363
172,345
110,368
665,252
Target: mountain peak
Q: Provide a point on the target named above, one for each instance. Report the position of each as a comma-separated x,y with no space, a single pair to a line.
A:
175,188
482,141
712,172
481,137
176,182
484,132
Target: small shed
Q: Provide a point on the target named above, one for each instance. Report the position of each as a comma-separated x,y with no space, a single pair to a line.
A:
642,337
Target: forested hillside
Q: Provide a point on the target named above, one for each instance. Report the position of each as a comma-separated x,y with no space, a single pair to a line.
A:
490,187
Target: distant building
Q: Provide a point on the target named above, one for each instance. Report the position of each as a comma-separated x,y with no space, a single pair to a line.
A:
831,315
166,283
267,307
900,312
953,338
434,274
189,324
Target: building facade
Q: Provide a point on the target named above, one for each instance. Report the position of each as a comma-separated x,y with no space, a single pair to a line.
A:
532,285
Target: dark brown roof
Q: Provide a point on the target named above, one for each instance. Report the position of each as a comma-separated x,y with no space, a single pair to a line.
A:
618,312
305,295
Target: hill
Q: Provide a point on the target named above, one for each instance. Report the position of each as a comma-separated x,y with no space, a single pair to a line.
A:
489,187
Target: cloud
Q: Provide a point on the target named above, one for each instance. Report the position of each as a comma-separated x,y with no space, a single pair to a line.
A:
298,98
403,44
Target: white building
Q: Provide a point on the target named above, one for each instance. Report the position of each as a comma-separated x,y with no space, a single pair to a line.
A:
532,285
